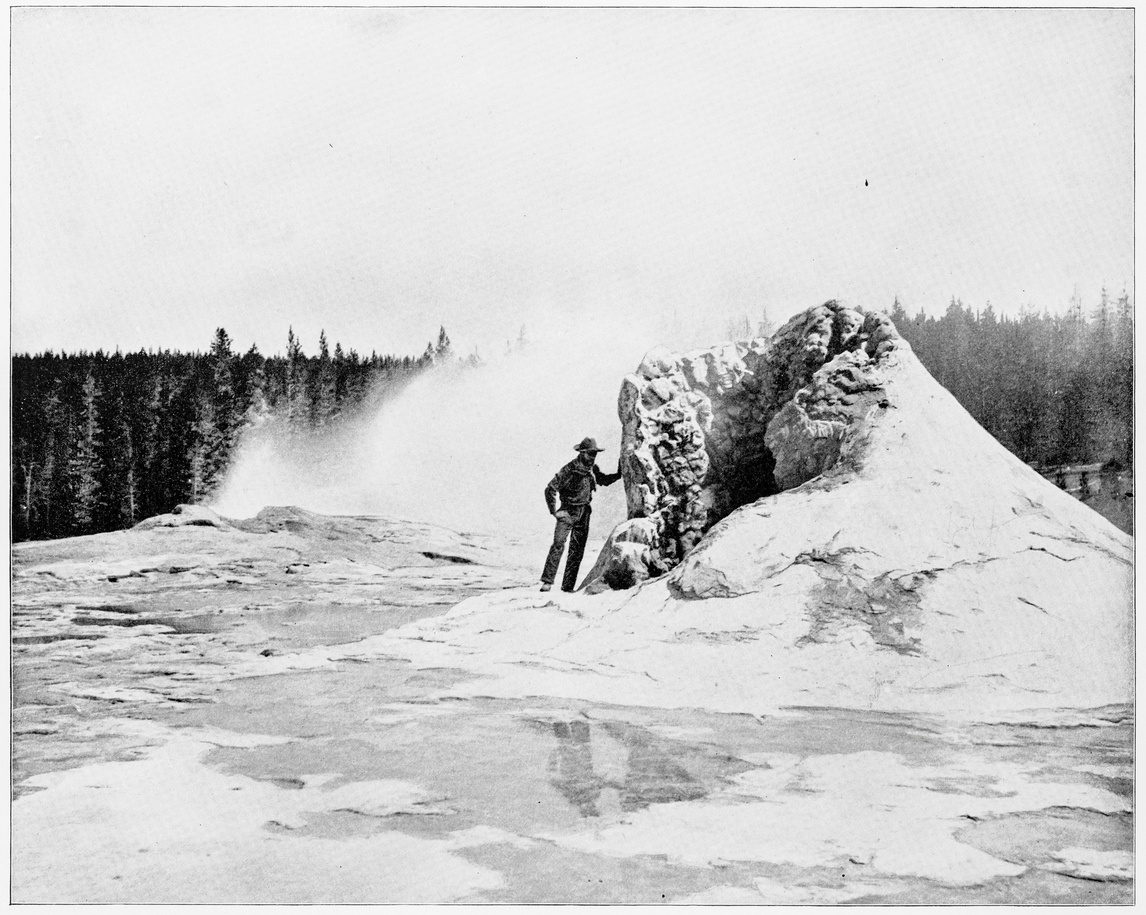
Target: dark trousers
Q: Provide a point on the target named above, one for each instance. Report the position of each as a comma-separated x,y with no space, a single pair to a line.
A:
576,531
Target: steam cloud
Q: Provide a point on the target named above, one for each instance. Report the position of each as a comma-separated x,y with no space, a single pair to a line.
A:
469,449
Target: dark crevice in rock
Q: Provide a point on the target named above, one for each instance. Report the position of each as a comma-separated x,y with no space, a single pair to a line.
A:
446,557
1043,549
709,431
1092,878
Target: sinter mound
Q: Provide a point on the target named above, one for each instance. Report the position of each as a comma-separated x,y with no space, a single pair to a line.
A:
827,479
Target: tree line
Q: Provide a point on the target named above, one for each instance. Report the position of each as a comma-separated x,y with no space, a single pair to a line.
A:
102,440
1054,389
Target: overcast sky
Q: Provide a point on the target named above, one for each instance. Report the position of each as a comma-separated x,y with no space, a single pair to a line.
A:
380,172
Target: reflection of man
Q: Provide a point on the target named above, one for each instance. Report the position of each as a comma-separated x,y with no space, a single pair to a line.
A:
574,483
571,767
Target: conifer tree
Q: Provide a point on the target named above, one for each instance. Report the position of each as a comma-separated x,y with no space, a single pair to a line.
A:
202,462
899,316
443,351
251,399
323,400
765,327
223,370
297,401
340,375
83,465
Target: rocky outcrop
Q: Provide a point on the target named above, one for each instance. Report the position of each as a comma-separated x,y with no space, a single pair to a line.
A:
708,431
186,516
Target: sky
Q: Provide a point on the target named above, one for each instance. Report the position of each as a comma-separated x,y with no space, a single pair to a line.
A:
376,173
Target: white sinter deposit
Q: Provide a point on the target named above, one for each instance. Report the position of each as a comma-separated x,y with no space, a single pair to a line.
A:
886,553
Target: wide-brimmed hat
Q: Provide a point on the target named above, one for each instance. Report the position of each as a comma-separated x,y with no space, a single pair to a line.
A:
588,444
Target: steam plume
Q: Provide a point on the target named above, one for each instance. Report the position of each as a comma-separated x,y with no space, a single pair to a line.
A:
470,449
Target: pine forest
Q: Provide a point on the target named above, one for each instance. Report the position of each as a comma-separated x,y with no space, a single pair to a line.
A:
101,441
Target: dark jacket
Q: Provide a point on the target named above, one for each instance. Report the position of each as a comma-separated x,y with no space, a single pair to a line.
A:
575,483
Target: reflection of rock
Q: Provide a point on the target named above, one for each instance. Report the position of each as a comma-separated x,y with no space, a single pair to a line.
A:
708,431
651,773
652,776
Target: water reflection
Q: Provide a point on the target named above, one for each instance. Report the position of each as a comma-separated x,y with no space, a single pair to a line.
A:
650,773
571,766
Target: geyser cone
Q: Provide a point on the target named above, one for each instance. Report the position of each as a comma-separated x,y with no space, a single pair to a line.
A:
895,521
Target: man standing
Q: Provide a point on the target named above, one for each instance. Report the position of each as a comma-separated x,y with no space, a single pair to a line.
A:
574,483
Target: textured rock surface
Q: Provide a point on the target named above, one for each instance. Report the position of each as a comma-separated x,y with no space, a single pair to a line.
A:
710,430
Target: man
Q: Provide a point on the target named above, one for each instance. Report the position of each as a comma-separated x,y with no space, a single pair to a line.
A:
574,483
